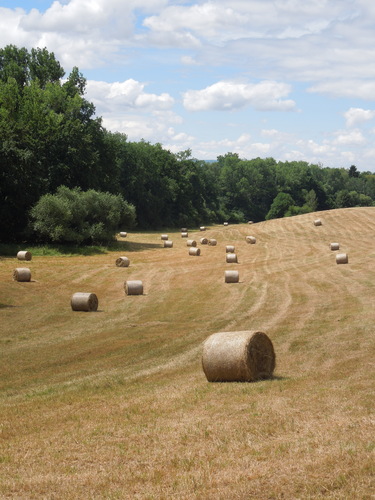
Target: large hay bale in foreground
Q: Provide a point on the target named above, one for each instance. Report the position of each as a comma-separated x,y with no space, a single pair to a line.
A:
231,258
82,301
191,243
231,276
243,356
24,255
251,239
194,251
168,244
22,274
133,287
122,262
342,258
335,246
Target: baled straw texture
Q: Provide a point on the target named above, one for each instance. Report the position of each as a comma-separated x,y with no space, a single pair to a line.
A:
212,242
24,255
168,244
335,246
81,301
191,243
164,237
134,287
204,241
123,234
231,258
243,356
342,258
226,223
231,276
229,249
194,251
22,274
202,228
317,222
184,235
122,262
251,239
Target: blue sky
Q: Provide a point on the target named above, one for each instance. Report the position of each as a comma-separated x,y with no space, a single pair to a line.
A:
285,79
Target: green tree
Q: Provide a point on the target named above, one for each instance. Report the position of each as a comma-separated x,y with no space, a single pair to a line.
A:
280,205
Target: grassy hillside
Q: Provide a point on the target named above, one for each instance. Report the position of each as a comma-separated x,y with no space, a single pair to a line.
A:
114,404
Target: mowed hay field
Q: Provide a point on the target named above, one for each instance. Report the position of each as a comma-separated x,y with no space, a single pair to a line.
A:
114,404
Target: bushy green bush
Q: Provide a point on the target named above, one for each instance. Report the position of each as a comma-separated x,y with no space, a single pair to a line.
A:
76,216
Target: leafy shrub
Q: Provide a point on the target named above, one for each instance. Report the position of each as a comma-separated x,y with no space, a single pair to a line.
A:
76,216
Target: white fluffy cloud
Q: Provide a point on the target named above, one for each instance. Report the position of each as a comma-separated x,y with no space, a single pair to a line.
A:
224,96
355,116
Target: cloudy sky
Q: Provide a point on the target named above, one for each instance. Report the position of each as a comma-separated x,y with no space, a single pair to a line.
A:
290,79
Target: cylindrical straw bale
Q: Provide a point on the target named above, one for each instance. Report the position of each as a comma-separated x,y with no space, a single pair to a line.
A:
232,276
342,258
168,244
250,222
164,237
22,274
81,301
184,230
229,248
24,255
122,262
251,239
194,251
317,222
191,243
202,228
212,242
335,246
226,223
184,235
204,241
238,357
231,258
134,287
123,234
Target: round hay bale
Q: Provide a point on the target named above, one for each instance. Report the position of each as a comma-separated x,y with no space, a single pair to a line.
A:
212,242
250,222
335,246
251,239
231,258
184,230
317,222
243,356
342,258
203,241
226,224
229,249
184,235
202,228
81,301
164,237
22,274
122,262
232,276
123,234
194,251
134,287
168,244
24,255
191,243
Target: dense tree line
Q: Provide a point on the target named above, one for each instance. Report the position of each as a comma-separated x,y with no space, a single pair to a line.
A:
50,137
